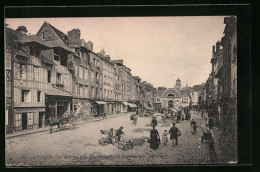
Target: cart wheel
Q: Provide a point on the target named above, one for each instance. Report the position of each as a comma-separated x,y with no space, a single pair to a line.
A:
202,138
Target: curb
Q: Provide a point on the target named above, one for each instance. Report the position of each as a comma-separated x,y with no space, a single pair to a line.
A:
47,129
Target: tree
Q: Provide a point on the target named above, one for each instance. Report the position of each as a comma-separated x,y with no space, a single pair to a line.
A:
22,29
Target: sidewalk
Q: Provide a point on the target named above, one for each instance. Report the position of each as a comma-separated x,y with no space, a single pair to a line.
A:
226,153
47,128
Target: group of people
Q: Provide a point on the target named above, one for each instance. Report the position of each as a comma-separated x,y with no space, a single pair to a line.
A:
155,137
113,137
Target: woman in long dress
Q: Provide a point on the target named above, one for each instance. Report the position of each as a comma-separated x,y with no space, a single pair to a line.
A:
155,138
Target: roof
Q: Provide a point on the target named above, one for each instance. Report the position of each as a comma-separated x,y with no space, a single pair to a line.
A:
57,31
136,77
171,91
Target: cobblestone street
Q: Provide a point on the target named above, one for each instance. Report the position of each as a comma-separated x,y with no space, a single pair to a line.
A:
79,146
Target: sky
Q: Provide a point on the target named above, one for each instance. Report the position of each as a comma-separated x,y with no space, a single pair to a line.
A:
157,49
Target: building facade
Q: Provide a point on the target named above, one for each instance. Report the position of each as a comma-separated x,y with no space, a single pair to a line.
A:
51,72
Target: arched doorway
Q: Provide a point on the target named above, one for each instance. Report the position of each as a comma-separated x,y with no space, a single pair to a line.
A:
170,104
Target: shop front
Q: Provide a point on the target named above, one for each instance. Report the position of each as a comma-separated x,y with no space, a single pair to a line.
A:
28,118
57,105
109,107
124,107
117,107
82,108
100,107
131,107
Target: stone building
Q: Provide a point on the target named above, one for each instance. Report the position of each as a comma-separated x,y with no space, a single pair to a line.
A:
51,72
229,74
108,82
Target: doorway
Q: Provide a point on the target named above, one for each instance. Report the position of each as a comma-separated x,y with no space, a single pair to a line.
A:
170,104
41,115
24,121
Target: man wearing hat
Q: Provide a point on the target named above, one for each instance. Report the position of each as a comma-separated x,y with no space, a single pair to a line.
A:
119,134
174,132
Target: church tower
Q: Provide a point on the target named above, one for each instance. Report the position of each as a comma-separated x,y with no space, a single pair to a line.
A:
178,84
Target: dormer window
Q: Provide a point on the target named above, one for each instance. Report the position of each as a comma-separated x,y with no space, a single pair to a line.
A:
43,36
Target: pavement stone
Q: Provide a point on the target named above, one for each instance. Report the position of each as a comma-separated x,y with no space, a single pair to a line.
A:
79,146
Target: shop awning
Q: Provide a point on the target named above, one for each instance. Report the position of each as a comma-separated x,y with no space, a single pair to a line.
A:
132,105
54,93
125,103
101,102
149,108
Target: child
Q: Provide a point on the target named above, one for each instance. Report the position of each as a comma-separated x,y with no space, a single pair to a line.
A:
165,138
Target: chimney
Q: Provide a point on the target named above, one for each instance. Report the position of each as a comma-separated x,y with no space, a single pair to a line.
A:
217,47
213,50
74,34
102,52
22,29
107,57
90,45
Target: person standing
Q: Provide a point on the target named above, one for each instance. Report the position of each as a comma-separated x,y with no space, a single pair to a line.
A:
165,138
104,115
135,119
155,138
154,121
193,126
174,131
119,134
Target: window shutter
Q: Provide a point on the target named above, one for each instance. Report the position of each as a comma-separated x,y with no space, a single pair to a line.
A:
35,118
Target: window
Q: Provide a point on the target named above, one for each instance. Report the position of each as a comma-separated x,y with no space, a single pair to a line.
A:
22,71
92,91
86,91
18,120
58,79
30,120
92,75
39,96
38,52
86,73
81,90
43,36
26,96
8,89
80,72
36,74
7,61
32,51
96,91
97,75
56,57
49,76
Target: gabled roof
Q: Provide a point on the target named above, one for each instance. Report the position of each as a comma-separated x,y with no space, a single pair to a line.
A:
57,31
